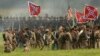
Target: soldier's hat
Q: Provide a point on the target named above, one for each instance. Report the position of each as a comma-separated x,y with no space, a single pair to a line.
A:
61,28
26,28
47,30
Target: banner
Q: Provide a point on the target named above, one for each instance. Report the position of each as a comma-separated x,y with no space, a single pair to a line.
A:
90,12
80,17
34,9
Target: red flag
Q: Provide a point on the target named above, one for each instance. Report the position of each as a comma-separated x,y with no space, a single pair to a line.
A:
80,17
34,9
91,12
69,15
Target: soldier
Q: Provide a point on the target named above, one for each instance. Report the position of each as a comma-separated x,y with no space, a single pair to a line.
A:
27,46
21,38
39,38
33,39
55,39
74,33
27,36
97,37
92,37
14,42
83,41
64,39
48,37
68,38
8,40
4,35
89,32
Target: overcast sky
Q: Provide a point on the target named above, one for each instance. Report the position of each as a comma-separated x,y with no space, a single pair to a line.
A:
51,7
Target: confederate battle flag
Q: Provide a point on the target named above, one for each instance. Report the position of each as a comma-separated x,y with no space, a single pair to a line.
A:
34,9
80,17
90,12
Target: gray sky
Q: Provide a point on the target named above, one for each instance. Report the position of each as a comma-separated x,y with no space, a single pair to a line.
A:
51,7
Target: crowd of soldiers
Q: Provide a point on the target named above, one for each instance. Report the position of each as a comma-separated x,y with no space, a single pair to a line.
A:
56,39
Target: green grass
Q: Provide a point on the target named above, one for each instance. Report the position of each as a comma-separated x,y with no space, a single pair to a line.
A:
37,52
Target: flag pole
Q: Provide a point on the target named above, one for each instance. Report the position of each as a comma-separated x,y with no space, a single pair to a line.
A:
19,27
67,14
2,23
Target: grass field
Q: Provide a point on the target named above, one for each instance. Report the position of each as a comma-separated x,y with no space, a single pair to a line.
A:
37,52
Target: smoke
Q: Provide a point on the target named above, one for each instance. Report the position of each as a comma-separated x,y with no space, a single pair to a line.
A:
50,7
95,3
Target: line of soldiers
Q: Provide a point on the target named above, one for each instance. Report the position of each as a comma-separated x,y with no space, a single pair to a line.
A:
61,38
